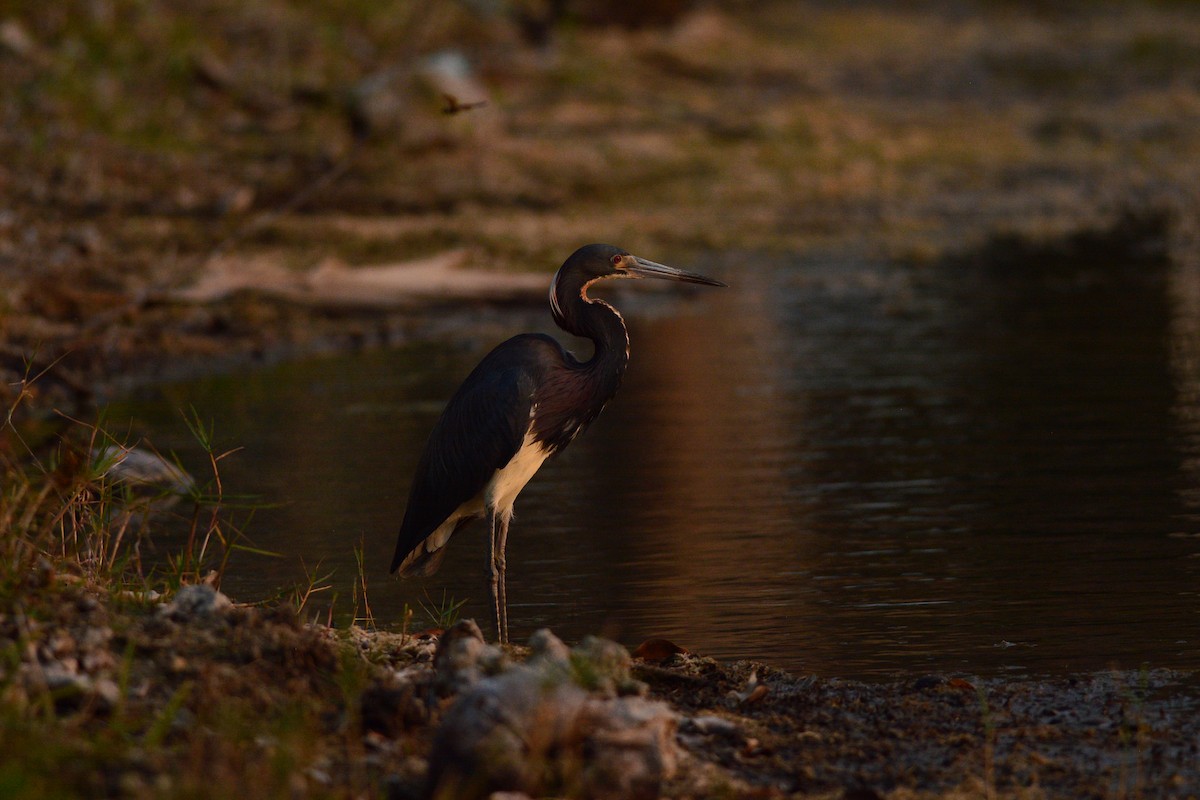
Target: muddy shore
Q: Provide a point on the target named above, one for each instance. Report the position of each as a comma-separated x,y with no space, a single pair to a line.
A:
184,192
356,713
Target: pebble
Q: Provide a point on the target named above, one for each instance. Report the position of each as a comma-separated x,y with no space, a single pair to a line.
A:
195,602
712,725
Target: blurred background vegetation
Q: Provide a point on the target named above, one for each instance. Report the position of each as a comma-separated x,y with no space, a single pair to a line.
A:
141,139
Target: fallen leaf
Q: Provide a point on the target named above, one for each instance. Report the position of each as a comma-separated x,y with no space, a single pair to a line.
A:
752,693
756,695
657,650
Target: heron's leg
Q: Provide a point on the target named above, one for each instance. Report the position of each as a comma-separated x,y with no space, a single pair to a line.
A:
501,543
494,567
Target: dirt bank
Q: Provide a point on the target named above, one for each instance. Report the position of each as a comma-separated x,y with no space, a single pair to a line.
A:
143,699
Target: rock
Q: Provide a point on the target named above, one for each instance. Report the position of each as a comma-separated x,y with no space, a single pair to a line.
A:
536,729
63,681
631,742
195,602
71,689
463,658
502,736
139,596
142,468
602,665
709,724
544,646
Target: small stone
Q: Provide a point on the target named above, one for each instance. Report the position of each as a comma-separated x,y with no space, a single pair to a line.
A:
196,601
59,679
631,747
545,646
504,734
603,665
141,468
463,658
147,596
709,724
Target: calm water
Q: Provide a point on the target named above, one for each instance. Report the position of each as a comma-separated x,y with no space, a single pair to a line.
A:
851,469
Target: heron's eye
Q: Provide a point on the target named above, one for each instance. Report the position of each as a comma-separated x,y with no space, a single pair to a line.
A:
617,260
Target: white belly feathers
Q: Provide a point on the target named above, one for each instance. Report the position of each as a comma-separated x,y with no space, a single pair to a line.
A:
508,481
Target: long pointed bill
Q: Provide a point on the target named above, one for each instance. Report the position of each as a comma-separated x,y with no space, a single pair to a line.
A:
649,269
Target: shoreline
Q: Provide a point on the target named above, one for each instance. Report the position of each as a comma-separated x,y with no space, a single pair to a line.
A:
363,711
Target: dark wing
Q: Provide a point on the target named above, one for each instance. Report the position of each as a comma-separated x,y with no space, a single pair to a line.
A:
479,432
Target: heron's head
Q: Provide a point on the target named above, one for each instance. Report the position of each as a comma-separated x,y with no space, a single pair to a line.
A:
597,261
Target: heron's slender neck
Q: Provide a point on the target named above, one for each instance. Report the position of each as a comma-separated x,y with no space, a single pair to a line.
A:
576,313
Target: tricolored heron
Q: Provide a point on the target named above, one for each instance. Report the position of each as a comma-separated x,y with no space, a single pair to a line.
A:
527,399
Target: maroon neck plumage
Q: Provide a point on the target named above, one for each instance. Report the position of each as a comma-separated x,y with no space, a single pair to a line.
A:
592,382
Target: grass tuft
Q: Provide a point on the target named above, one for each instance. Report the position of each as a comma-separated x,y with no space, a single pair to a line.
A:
443,613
